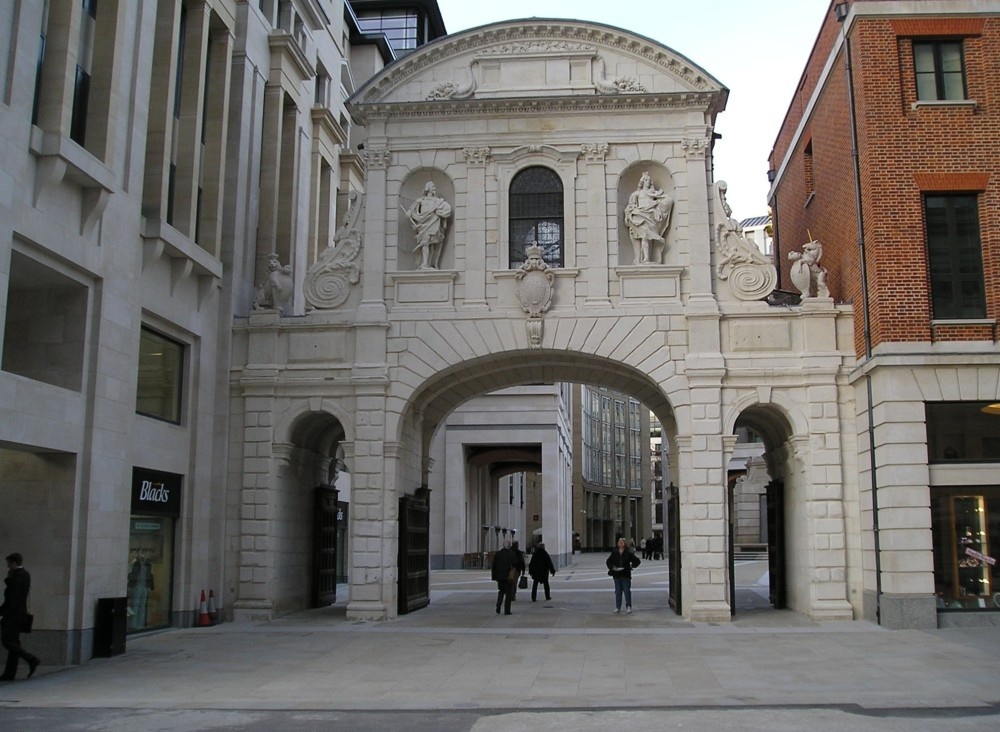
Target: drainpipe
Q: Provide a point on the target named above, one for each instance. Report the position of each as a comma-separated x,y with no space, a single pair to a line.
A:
841,10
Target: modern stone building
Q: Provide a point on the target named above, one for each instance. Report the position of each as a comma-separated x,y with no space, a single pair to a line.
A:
909,234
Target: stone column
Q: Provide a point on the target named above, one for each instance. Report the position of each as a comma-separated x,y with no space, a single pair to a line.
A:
476,159
594,154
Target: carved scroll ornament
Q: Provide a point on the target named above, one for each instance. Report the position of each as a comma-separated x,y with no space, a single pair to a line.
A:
328,281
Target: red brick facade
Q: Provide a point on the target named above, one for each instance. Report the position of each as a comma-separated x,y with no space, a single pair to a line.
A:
905,150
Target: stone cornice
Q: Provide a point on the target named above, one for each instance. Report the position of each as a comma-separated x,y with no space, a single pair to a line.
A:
528,105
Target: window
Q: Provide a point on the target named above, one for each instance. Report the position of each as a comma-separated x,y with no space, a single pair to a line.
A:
536,215
940,70
401,27
158,391
955,257
961,432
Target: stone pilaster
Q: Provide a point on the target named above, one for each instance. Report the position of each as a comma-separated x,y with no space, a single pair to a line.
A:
594,155
476,160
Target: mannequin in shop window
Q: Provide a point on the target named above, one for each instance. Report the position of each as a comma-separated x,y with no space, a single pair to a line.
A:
140,584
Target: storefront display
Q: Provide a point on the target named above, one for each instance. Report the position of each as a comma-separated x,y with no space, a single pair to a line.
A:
155,507
965,568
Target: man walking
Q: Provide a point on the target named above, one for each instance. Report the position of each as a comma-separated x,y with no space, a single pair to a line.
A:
504,572
13,614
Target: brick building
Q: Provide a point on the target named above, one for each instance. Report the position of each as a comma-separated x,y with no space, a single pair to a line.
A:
910,236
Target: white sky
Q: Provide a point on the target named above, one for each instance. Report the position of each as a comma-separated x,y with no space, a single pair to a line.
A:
756,49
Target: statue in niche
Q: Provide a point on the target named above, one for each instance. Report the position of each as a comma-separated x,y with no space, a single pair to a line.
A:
429,217
275,291
807,274
647,216
750,273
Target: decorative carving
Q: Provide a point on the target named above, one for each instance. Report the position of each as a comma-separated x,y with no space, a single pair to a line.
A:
617,85
476,155
377,158
429,218
534,47
328,281
275,291
647,216
451,90
696,147
806,273
750,274
534,290
595,151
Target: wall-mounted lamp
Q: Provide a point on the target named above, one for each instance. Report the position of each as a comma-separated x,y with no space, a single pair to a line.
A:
771,175
992,409
840,10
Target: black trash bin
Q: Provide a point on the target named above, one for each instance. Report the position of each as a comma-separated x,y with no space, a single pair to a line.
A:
109,626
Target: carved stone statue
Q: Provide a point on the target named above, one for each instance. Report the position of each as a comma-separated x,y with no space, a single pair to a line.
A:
750,273
807,274
275,291
647,216
429,217
328,281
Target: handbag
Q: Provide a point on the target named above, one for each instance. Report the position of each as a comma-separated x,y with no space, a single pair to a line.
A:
522,584
26,622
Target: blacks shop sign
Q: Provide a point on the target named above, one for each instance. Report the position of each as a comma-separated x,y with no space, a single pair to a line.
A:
155,493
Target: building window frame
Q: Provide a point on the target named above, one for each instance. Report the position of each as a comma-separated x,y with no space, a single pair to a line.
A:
536,205
953,237
160,376
939,70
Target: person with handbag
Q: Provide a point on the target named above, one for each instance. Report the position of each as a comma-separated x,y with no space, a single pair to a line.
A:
521,566
620,563
540,567
14,617
504,572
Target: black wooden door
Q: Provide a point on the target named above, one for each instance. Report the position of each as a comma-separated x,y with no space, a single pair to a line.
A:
324,579
673,546
414,552
776,543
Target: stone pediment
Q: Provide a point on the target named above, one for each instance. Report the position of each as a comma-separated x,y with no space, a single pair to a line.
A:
540,60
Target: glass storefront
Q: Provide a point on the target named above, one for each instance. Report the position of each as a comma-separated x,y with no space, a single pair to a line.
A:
151,559
966,528
155,507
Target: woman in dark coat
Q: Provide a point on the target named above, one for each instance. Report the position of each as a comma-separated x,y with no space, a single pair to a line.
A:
540,567
620,565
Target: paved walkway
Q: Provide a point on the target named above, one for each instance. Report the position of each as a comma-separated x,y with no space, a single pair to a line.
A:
568,654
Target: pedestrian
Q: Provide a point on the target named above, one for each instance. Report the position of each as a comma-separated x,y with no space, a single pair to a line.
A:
504,573
540,567
620,563
13,614
519,565
642,545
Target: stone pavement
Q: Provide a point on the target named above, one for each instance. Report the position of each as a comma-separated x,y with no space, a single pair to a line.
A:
570,654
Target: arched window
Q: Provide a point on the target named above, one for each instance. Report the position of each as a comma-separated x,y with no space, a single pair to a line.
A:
536,215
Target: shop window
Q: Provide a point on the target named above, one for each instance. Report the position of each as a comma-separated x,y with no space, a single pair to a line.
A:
158,391
45,324
940,70
156,500
536,216
955,257
960,431
966,527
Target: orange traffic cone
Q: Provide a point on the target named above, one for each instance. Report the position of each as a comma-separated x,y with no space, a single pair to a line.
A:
212,614
203,618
